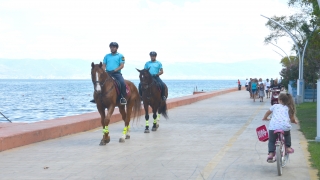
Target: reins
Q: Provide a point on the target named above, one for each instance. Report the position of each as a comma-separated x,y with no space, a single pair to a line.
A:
148,86
103,94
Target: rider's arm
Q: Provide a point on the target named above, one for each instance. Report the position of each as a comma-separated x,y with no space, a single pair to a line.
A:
119,68
160,72
293,120
265,117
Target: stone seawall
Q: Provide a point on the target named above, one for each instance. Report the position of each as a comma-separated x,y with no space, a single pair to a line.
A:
19,134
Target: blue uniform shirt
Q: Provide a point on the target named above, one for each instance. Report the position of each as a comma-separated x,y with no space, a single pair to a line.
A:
113,61
154,67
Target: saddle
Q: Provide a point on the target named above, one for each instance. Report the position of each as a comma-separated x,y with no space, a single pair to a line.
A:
117,86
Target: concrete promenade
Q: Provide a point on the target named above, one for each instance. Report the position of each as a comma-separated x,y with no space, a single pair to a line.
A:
209,139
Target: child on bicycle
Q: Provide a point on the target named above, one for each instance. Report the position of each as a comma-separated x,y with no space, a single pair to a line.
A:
282,114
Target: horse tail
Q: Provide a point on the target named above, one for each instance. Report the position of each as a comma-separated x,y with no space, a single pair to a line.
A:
163,105
136,111
163,109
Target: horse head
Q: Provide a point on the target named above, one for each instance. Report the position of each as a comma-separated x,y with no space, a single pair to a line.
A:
145,76
98,76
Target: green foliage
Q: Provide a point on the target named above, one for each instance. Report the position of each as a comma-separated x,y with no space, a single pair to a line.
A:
290,70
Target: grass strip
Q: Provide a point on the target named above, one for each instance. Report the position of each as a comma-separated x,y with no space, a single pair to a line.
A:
307,115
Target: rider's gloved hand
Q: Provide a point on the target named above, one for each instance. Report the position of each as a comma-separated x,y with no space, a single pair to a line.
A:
111,72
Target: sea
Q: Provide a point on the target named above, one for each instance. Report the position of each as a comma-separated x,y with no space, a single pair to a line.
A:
33,100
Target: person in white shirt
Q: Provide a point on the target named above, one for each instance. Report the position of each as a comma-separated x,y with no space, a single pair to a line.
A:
282,114
267,85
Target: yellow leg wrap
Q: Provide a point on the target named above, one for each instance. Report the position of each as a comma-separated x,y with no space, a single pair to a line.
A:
105,130
158,116
124,130
147,123
155,121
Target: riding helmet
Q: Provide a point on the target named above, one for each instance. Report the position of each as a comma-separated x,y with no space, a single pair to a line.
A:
114,44
153,53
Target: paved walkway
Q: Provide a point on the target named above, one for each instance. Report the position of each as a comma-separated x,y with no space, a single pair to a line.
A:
209,139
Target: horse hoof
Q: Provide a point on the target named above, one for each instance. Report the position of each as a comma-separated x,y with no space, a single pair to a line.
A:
102,143
127,136
154,129
147,131
121,140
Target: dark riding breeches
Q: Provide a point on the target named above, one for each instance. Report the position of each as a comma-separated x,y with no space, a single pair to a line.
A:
118,76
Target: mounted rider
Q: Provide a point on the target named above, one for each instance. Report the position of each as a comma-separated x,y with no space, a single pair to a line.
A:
155,70
113,63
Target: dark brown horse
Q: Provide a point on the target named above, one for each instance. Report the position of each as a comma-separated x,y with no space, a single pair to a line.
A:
105,95
151,96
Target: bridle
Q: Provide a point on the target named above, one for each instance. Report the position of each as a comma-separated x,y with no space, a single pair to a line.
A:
101,85
146,86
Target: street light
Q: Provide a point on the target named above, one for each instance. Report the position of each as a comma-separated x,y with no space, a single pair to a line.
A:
282,51
318,100
300,83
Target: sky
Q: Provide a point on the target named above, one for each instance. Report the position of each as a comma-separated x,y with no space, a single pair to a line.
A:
179,31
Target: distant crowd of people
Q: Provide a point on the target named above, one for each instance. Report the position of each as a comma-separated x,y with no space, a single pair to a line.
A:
260,89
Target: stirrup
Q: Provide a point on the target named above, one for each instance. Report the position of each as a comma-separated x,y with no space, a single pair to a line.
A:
164,98
123,101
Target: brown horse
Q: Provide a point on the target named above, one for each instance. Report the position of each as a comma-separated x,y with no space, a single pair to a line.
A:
151,96
105,95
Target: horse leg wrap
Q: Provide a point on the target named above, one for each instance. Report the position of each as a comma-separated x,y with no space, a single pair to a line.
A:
158,117
125,129
147,124
155,121
128,131
105,130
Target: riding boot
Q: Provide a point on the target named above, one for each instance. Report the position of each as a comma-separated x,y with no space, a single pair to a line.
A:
123,100
93,101
164,98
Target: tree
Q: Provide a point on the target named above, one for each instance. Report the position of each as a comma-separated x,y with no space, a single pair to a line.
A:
290,70
302,26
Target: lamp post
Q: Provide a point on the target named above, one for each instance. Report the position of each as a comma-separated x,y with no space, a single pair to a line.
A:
318,106
300,83
282,51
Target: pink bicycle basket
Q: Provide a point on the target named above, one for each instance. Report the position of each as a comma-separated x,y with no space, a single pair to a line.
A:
262,133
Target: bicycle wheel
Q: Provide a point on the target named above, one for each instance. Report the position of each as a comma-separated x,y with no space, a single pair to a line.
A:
279,159
285,159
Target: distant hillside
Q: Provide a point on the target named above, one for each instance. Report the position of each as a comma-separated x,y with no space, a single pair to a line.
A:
80,69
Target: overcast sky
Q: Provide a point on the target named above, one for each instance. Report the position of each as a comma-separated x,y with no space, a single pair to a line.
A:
180,31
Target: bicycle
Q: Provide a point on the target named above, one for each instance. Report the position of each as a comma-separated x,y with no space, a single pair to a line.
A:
281,154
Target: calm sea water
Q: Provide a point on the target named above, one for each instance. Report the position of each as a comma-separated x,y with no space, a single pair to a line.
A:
38,100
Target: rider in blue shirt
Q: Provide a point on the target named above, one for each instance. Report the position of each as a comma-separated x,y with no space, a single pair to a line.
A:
155,70
114,62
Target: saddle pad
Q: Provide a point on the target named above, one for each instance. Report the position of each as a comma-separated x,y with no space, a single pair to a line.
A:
117,86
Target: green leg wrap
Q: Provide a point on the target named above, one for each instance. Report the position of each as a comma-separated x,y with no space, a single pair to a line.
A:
105,130
125,129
